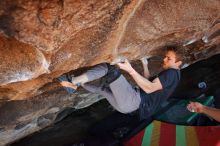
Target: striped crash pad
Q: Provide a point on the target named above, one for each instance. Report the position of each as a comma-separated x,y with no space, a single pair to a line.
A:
164,134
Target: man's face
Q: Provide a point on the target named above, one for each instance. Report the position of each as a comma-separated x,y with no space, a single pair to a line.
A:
169,60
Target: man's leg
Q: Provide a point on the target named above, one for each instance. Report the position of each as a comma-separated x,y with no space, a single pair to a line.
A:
127,98
92,74
104,92
123,97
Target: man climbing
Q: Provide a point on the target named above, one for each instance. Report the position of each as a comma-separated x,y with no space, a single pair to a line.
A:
122,95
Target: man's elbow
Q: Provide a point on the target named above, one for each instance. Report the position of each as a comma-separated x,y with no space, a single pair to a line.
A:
151,89
148,89
147,76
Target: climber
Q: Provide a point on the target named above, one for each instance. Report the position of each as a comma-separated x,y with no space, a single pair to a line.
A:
209,111
122,95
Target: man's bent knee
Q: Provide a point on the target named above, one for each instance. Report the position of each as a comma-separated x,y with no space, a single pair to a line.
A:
112,75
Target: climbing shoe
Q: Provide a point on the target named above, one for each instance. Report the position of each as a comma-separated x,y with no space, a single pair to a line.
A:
68,79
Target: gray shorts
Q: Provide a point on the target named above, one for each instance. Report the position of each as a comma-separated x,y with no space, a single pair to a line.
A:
122,95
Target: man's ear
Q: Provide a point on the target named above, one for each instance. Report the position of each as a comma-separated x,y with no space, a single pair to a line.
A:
179,63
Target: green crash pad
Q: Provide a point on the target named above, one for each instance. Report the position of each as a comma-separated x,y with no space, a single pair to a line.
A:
177,112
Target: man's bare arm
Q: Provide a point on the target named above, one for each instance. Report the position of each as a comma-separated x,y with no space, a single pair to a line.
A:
142,82
144,62
209,111
145,84
146,71
212,112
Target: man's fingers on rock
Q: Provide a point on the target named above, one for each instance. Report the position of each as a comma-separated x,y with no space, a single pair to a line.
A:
144,60
119,65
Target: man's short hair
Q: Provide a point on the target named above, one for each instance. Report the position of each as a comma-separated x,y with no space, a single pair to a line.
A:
180,52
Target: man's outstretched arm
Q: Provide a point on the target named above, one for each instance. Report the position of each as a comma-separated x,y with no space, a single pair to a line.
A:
142,82
144,62
209,111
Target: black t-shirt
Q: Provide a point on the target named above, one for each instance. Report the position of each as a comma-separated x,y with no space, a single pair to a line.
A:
150,102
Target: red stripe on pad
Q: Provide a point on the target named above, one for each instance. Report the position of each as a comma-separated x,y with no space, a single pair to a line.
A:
135,140
208,136
167,134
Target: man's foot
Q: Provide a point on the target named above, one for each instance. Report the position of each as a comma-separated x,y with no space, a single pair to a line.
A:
65,81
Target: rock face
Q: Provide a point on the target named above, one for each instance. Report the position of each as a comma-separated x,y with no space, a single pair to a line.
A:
43,39
40,40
